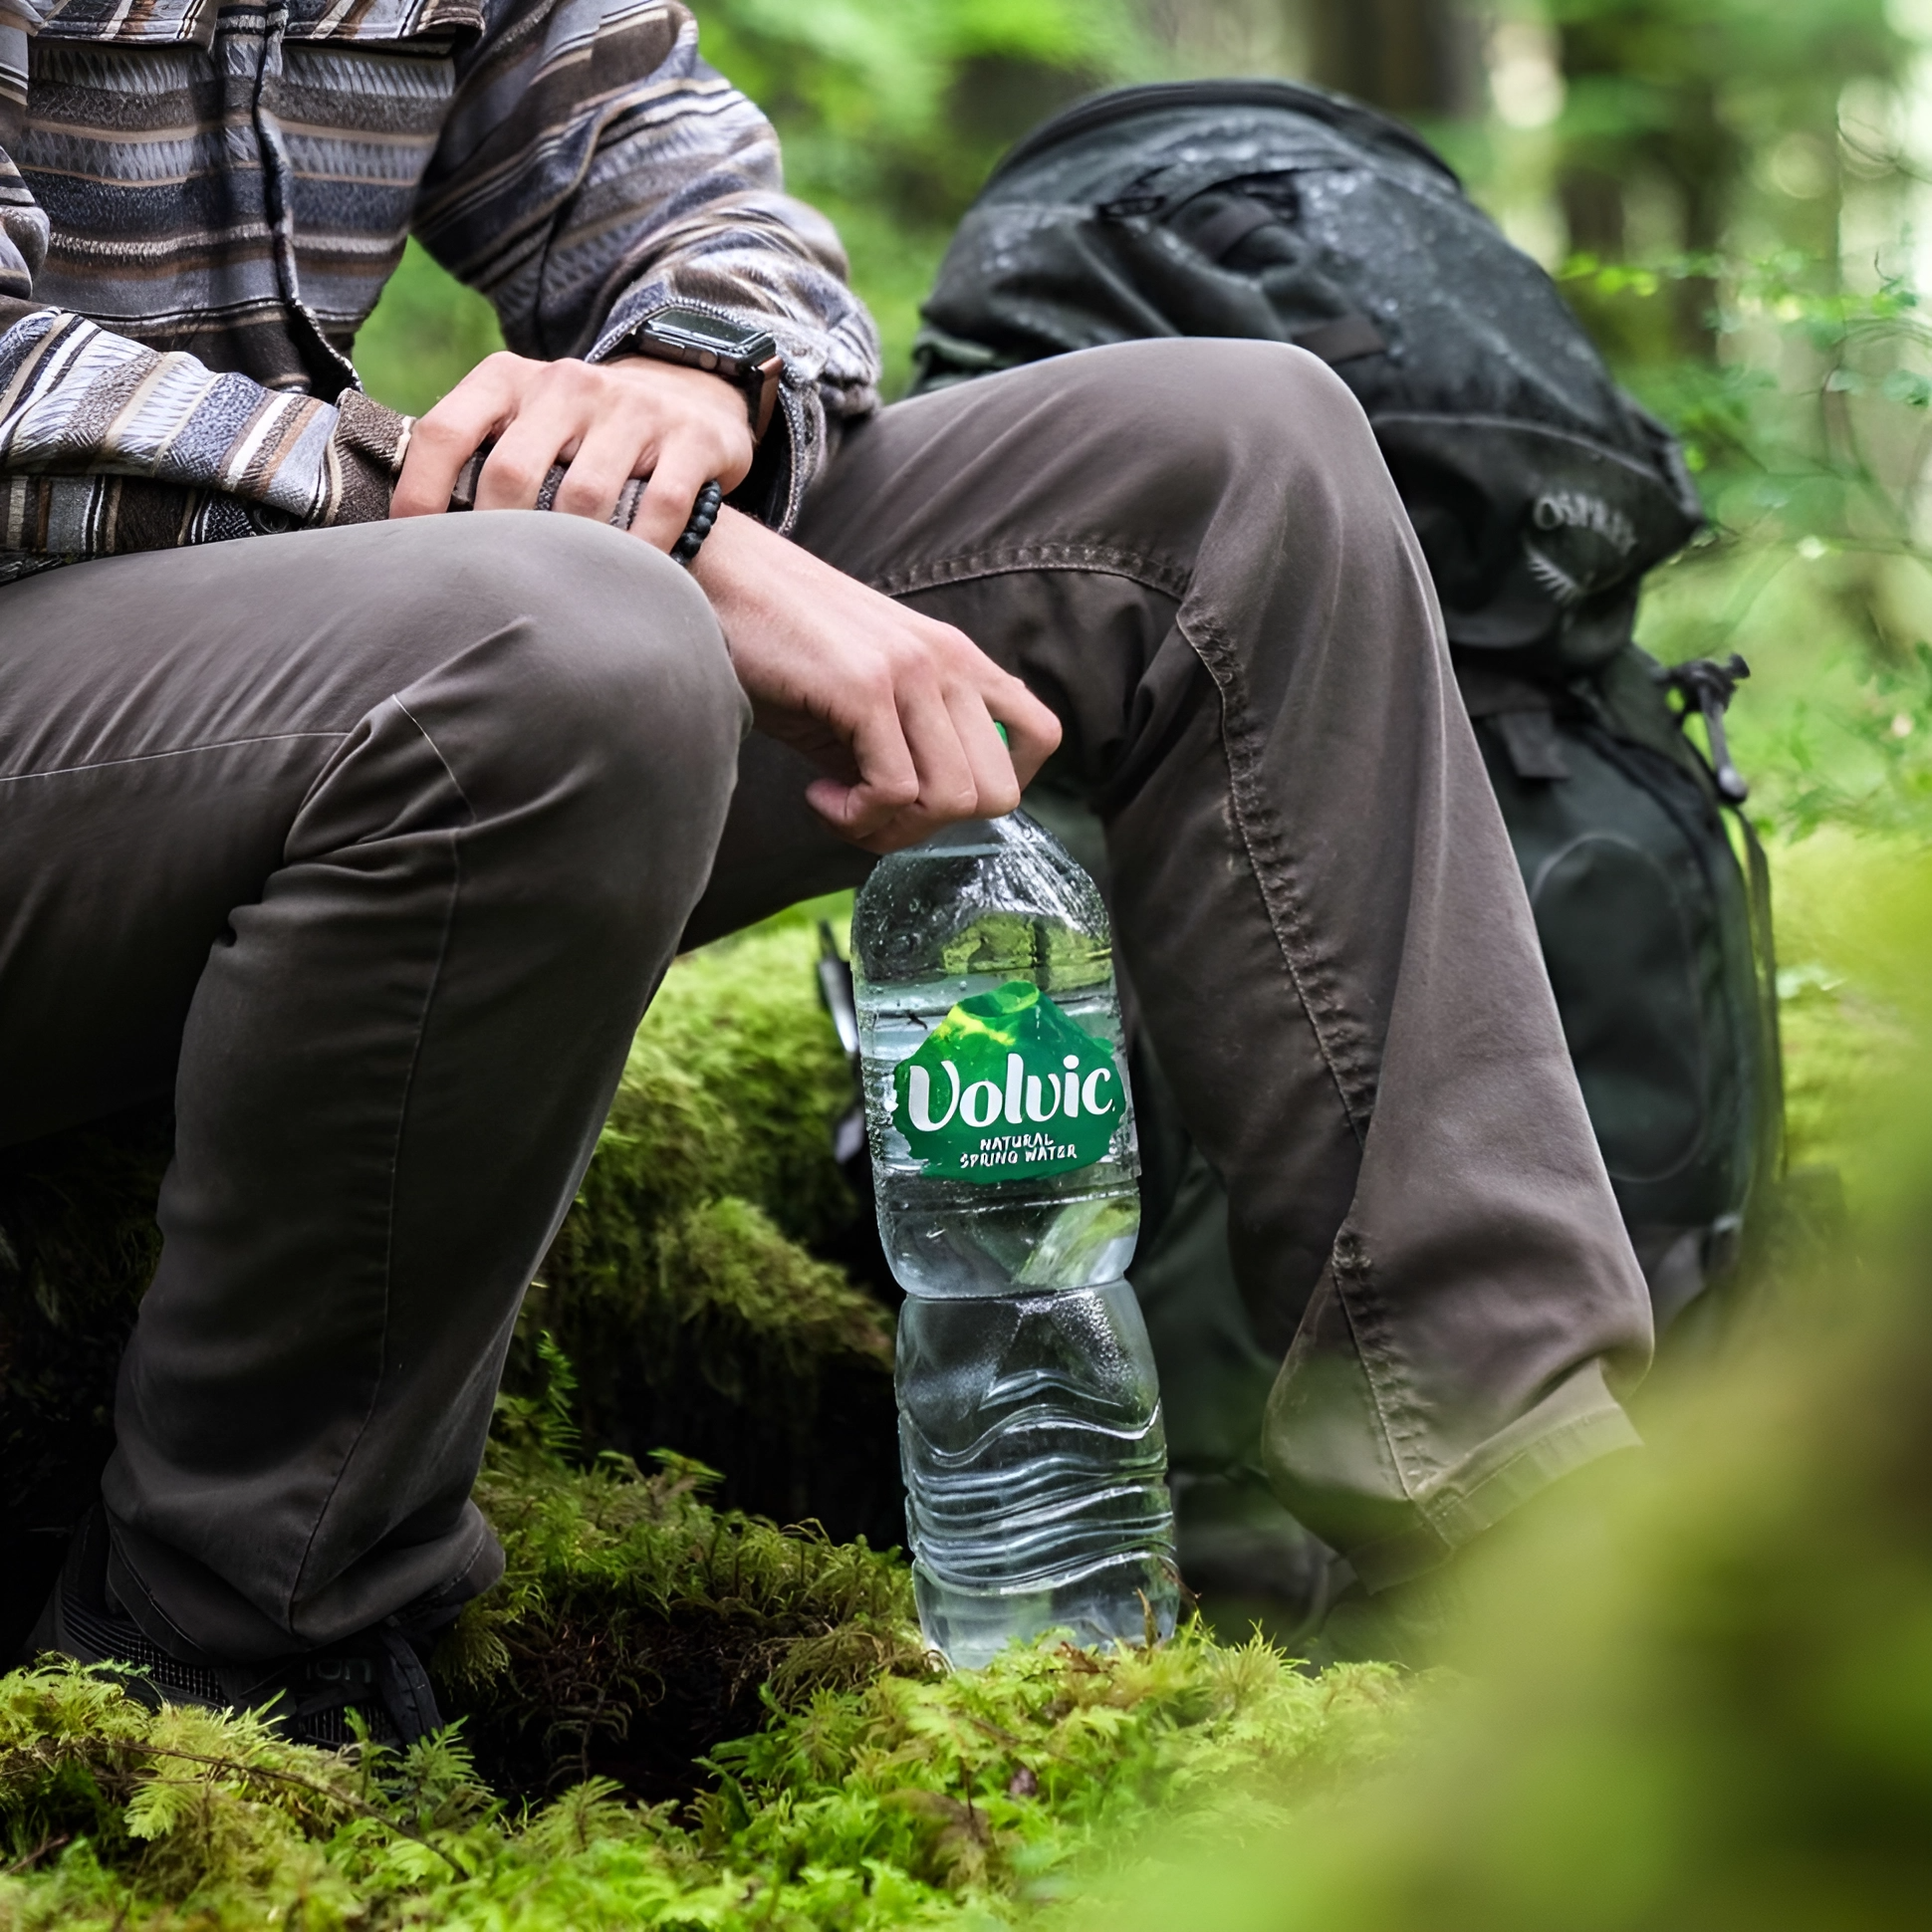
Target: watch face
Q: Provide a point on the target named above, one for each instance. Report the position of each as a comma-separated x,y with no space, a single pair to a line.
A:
696,329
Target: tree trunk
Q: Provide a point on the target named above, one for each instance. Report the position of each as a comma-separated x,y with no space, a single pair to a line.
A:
1673,143
1417,58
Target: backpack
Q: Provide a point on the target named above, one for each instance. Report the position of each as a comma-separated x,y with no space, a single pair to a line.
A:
1541,495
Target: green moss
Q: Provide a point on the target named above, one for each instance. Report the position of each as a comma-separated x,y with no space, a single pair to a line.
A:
864,1788
1000,1782
636,1624
681,1284
967,1800
1854,928
716,1292
731,1087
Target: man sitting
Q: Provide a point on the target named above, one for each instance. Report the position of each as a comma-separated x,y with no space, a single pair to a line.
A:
369,834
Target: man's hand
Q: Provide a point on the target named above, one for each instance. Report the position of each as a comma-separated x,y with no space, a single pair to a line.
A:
609,421
896,708
897,711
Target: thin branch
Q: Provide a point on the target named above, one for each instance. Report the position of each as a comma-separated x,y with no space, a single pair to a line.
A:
1888,157
1038,1748
34,1857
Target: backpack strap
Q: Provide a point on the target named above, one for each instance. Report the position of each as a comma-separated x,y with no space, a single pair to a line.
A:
1216,224
1523,715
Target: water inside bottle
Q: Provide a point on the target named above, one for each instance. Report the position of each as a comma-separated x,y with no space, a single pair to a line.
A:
1036,1464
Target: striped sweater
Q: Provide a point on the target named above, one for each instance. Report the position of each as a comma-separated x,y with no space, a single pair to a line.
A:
200,201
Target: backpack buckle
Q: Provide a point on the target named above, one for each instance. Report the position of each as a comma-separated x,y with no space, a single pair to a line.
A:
1708,687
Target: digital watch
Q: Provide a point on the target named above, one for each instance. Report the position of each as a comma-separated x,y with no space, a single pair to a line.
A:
700,340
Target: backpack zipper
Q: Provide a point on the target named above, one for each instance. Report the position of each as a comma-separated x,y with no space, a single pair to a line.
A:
1338,111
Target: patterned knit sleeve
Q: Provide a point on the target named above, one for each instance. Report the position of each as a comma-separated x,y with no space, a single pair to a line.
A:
107,445
23,227
594,168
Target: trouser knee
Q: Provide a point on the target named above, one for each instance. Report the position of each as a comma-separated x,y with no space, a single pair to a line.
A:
1226,415
587,714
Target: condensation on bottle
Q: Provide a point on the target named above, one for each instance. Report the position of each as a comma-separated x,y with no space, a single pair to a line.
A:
1007,1181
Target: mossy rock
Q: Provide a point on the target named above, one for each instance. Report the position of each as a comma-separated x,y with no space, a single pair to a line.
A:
77,1243
638,1624
682,1281
688,1285
670,1715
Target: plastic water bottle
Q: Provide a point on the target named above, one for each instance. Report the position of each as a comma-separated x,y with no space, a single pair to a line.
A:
1003,1149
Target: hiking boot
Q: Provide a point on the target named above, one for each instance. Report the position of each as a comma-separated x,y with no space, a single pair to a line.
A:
308,1698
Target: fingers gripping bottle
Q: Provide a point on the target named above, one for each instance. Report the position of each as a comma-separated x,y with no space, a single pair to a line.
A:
1003,1147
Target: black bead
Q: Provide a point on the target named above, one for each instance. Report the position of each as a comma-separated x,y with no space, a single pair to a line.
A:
704,513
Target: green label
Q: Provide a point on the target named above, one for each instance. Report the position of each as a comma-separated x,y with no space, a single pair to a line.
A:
1005,1086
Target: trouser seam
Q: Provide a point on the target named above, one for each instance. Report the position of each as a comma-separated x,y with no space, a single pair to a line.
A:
1404,1427
1314,984
1337,1038
396,1162
173,751
1335,1033
1015,560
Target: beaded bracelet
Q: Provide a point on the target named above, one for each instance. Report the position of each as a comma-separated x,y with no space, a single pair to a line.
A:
704,513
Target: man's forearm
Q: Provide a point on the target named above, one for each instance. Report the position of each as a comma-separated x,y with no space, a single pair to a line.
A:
586,199
107,445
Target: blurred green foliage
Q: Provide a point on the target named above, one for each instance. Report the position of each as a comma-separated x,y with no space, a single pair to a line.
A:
1692,126
890,117
890,114
427,333
1706,1700
1807,433
1701,1693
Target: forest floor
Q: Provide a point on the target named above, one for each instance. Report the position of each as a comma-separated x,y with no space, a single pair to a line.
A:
692,1716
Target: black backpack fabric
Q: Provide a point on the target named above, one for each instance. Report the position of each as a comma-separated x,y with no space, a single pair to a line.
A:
1540,494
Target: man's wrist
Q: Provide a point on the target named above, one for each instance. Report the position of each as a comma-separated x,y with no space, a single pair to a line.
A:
714,567
735,565
628,360
739,353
